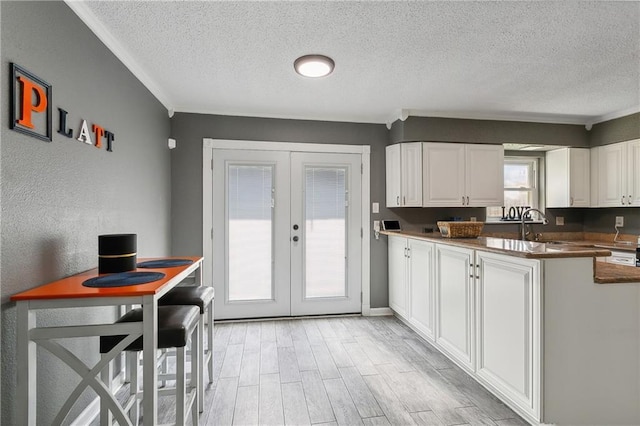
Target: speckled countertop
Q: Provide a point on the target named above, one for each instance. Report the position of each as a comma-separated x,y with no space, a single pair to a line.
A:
604,273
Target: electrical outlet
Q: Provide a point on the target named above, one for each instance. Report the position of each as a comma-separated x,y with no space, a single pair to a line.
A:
376,225
473,219
619,220
559,220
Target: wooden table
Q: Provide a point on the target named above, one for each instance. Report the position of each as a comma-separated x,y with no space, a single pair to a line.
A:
70,293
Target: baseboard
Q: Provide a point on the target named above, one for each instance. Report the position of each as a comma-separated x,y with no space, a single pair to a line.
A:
380,312
92,411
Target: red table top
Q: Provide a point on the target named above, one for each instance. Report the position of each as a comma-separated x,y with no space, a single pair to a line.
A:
72,288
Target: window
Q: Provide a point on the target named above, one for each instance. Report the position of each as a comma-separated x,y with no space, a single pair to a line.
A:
521,186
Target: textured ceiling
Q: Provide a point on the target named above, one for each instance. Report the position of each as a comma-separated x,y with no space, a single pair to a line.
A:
560,61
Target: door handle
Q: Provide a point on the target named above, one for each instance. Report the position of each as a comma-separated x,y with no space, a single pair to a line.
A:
295,239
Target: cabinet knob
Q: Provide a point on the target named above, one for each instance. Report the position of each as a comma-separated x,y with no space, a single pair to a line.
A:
295,239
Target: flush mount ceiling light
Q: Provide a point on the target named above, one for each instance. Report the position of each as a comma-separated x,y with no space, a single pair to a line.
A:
314,65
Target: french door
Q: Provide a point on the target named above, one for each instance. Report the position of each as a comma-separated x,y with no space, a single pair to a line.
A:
286,233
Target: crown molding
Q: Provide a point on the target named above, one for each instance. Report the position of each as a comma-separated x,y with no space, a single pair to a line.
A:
616,114
87,16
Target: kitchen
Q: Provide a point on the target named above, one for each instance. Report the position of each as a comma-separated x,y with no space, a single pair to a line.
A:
48,233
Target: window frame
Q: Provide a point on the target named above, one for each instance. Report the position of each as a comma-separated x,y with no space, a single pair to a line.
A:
536,165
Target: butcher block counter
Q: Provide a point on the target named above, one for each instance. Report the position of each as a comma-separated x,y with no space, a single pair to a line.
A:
532,322
604,273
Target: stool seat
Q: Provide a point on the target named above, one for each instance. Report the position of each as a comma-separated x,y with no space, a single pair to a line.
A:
200,296
174,327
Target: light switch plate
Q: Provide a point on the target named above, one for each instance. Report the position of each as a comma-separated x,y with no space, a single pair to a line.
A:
375,208
619,220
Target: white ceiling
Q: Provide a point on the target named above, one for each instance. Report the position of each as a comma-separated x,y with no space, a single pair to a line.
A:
555,61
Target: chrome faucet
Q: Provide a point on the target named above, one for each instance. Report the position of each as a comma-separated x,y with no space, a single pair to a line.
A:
523,235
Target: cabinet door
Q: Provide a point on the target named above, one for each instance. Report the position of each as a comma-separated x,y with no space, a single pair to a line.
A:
595,176
420,274
454,303
411,176
443,175
633,180
484,179
397,275
508,327
579,177
612,172
393,171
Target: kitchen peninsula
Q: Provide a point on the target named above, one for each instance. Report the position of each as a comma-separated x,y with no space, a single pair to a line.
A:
545,327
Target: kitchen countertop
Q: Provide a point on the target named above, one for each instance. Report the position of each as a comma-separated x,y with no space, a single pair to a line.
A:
604,273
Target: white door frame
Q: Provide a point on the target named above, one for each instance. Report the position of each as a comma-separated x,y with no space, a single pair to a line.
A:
209,144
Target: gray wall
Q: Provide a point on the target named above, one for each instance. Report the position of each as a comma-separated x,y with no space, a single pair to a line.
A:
433,129
58,197
618,130
186,170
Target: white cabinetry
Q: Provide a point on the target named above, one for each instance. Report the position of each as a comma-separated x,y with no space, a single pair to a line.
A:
619,174
397,253
411,282
568,177
508,291
454,282
462,175
404,175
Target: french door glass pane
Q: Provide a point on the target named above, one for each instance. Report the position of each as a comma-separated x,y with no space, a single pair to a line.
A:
325,232
250,228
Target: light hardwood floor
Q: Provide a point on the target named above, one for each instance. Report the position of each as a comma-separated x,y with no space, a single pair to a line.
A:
339,371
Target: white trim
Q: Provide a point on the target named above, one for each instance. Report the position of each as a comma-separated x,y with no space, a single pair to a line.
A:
379,312
100,30
209,144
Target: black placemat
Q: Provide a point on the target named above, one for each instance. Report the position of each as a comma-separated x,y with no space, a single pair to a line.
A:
123,279
164,263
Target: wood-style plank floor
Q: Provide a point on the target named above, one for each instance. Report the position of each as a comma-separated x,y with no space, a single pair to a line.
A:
339,371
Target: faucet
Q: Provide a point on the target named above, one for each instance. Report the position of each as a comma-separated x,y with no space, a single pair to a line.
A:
523,235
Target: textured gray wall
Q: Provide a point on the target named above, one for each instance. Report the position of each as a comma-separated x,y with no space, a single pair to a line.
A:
618,130
433,129
58,197
186,170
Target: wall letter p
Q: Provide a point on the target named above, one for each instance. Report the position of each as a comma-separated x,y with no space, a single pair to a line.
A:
28,104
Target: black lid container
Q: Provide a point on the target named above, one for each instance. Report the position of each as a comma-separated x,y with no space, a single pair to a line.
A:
117,253
638,257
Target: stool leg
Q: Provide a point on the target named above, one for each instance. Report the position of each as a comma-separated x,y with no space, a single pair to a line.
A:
134,362
106,418
196,373
198,349
210,341
180,386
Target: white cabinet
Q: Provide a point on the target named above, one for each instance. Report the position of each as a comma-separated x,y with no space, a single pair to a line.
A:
397,253
462,175
508,296
404,175
411,282
420,275
454,285
568,177
619,174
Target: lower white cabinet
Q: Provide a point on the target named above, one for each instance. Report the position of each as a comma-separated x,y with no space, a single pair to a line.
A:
508,291
454,283
397,253
411,292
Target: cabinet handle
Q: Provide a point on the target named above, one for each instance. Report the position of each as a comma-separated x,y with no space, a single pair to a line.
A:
405,252
404,200
478,271
623,200
463,200
467,200
629,202
398,200
571,201
408,252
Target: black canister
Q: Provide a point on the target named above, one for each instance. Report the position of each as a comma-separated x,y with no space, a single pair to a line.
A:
117,253
638,257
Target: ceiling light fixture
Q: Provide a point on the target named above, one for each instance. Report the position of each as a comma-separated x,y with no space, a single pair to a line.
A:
314,65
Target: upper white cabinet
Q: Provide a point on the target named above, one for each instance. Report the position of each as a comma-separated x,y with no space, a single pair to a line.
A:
618,171
466,175
404,174
568,177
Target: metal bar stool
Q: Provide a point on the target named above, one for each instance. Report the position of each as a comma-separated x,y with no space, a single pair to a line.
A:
177,326
202,297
